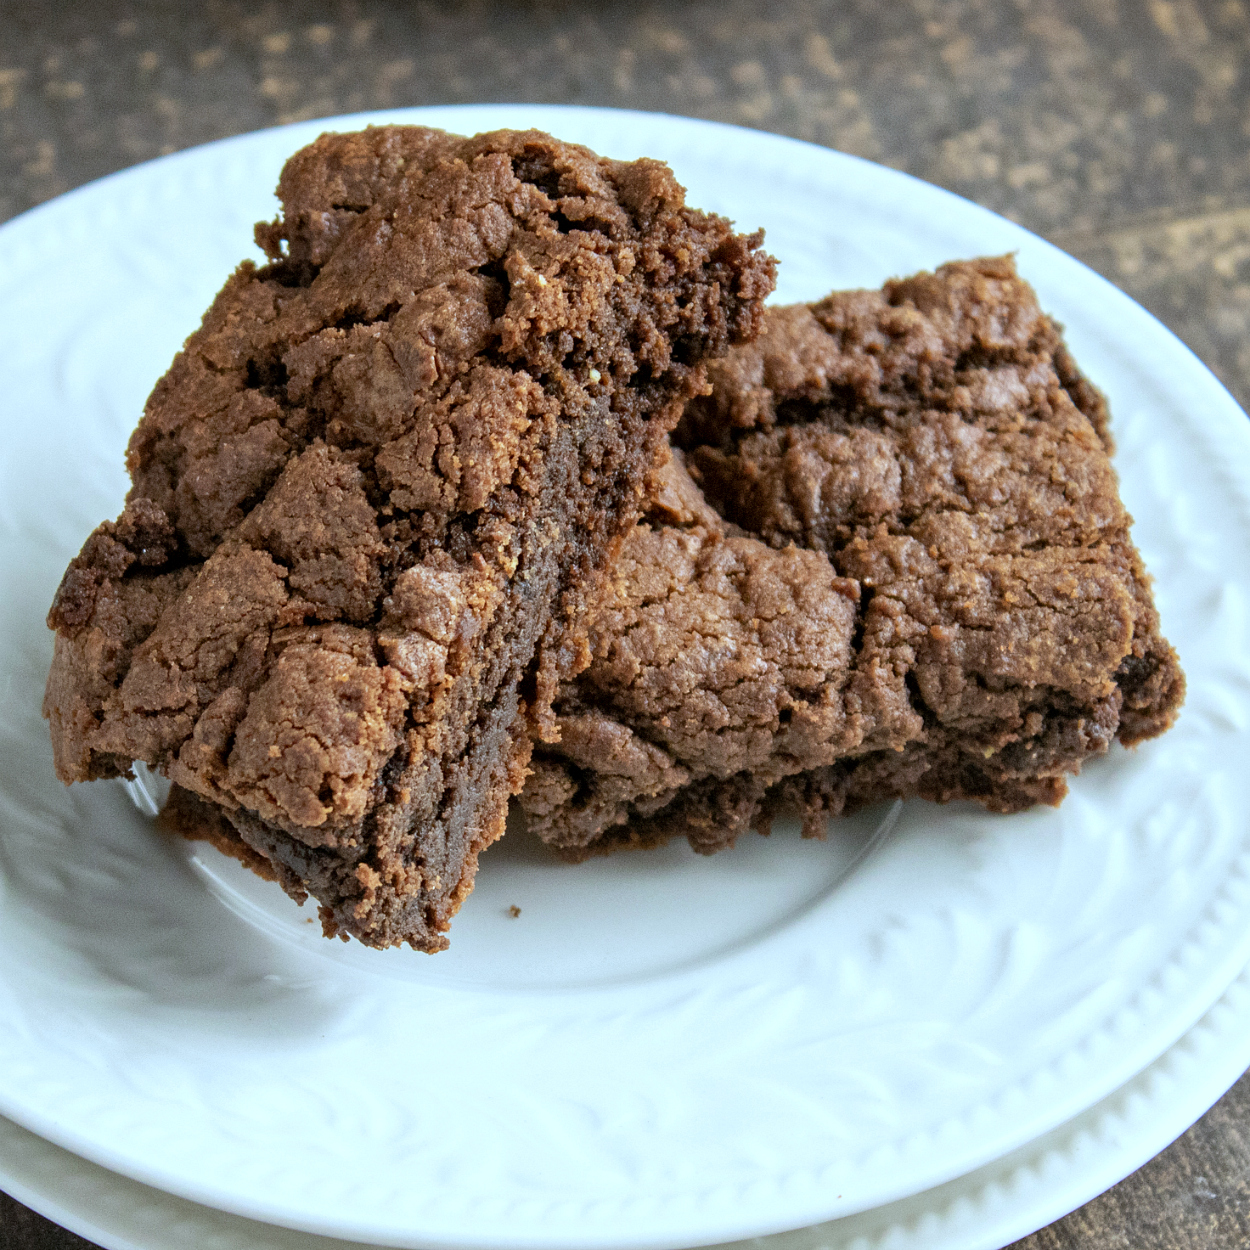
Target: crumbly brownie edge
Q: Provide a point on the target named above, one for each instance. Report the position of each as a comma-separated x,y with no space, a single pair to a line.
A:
685,287
1136,700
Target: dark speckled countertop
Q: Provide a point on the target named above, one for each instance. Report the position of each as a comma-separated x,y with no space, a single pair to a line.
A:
1119,129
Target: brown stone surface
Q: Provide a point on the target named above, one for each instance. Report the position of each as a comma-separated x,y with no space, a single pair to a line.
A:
1117,128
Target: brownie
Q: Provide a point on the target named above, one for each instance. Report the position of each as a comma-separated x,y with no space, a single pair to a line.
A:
373,496
898,566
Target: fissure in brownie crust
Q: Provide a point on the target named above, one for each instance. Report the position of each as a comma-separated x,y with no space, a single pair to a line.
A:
907,573
371,497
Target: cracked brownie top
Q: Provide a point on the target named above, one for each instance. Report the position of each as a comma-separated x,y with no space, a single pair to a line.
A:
372,492
930,454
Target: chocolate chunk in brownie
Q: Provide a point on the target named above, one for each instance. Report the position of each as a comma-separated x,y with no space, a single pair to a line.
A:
372,496
911,575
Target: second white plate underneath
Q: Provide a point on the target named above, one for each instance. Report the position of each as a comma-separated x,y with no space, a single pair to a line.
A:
985,1210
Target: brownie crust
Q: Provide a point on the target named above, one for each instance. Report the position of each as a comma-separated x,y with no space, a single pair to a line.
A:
898,566
373,496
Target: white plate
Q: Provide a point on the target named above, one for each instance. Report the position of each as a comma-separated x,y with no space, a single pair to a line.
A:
661,1050
985,1210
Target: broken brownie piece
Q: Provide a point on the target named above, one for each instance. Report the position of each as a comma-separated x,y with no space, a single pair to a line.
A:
916,578
372,496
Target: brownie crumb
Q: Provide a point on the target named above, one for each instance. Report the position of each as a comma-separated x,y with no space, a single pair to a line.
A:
889,560
373,496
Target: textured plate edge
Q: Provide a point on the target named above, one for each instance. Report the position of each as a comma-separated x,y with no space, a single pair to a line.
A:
1227,1023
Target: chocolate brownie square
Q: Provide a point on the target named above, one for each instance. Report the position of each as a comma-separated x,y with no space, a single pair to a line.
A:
907,572
372,496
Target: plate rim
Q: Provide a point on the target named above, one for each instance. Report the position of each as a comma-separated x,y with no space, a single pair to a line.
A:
1233,958
1204,1080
